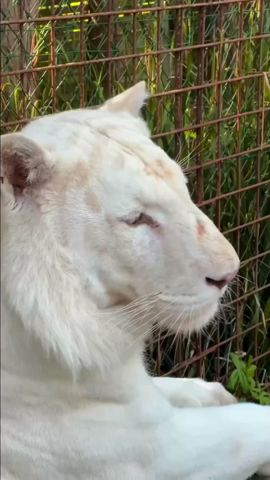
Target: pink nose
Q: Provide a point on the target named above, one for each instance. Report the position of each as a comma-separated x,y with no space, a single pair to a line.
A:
220,282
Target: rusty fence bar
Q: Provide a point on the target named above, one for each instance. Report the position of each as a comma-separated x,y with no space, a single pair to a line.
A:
207,66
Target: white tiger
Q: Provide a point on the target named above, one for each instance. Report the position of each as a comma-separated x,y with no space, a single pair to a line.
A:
100,240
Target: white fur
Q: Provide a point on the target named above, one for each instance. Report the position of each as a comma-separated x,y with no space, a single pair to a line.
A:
81,290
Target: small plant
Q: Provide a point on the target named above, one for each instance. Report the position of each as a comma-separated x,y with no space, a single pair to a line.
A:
242,381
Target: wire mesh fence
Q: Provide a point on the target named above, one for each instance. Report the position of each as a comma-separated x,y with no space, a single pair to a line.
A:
207,67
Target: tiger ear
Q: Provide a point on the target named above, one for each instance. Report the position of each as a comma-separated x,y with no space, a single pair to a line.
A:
131,100
23,162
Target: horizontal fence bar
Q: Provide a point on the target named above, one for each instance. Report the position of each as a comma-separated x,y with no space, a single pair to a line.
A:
262,355
233,156
20,121
212,349
257,185
131,11
212,122
246,295
187,170
193,88
247,224
131,56
184,129
255,257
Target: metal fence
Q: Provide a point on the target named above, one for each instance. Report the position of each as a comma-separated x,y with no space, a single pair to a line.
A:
207,66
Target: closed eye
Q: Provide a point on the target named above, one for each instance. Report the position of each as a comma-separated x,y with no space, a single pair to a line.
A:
142,219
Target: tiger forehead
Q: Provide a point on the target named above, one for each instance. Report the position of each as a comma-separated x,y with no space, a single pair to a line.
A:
77,174
161,170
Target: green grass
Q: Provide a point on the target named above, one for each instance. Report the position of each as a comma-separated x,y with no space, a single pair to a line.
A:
31,96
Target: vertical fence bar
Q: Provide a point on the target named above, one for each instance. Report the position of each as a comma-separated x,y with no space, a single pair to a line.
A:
158,71
178,79
239,307
109,48
260,103
178,119
82,56
134,38
23,111
53,58
220,34
199,138
199,105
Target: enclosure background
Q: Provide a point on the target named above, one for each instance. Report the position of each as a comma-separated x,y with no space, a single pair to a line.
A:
207,67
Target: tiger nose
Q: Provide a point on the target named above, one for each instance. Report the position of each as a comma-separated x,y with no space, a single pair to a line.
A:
220,282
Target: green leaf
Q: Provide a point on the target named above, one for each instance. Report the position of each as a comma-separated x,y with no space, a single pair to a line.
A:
233,381
266,88
238,363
